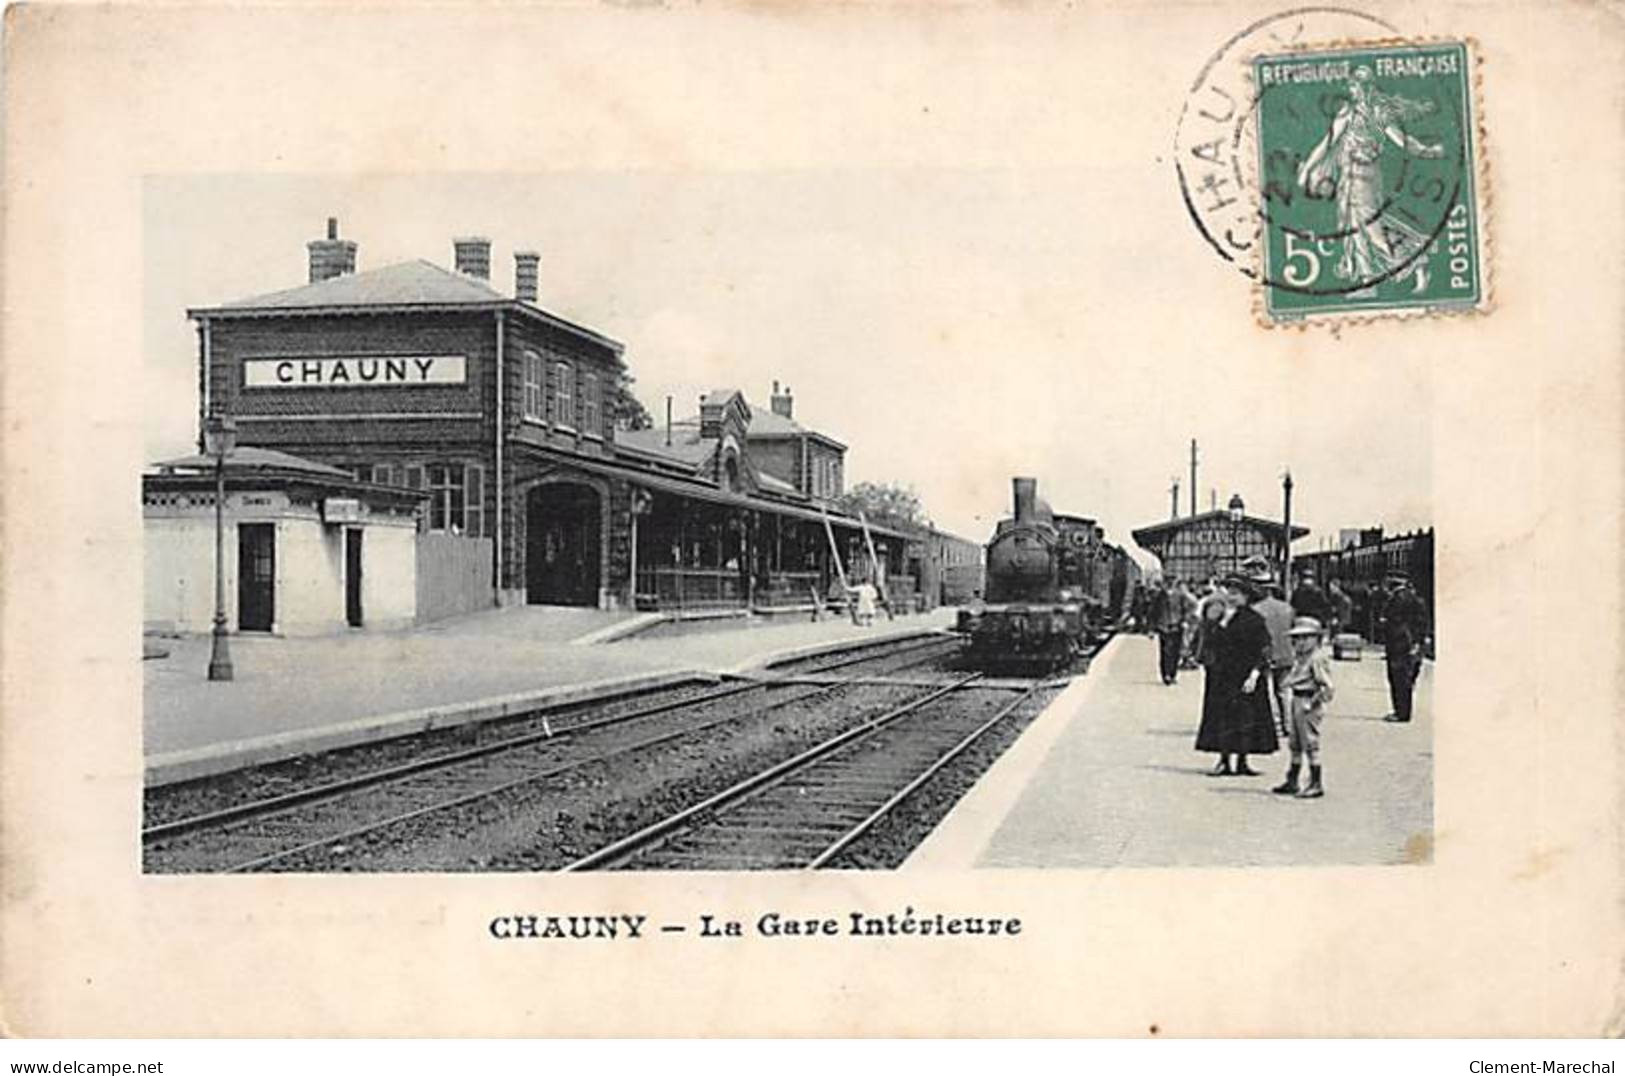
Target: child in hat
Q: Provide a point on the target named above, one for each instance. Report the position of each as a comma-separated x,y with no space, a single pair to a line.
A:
1309,683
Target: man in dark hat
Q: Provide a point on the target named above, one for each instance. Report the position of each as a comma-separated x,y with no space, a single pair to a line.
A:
1404,623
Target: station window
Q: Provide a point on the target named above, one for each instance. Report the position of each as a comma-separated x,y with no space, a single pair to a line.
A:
456,496
385,474
535,386
589,404
566,390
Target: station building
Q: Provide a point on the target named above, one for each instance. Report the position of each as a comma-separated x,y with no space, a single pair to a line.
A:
1197,548
498,414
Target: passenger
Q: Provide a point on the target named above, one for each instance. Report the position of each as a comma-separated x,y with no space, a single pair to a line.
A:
863,596
1209,611
1310,686
1193,623
1168,611
1309,600
1277,616
1404,623
1342,608
1235,706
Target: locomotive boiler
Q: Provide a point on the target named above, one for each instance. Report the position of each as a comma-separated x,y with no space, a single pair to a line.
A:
1049,586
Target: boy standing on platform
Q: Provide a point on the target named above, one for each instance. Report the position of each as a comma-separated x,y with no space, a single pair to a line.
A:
1309,686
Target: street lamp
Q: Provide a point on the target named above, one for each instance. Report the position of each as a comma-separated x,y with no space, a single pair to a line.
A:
220,435
1286,532
1236,508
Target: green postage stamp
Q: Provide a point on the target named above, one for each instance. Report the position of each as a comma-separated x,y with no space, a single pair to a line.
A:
1368,181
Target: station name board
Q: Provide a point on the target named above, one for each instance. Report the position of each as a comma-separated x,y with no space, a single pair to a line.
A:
392,371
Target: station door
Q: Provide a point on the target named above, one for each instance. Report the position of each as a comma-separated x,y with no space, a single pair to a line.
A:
256,576
562,542
352,577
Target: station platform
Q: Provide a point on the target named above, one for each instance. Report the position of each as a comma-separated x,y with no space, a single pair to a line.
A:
294,695
1108,776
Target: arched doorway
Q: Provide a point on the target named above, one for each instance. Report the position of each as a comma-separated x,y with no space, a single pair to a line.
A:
562,544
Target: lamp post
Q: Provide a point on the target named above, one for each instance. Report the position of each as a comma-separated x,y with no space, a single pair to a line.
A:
220,437
1236,509
1286,532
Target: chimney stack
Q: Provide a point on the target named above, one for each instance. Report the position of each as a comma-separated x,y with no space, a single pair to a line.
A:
473,254
783,403
1026,498
332,256
525,263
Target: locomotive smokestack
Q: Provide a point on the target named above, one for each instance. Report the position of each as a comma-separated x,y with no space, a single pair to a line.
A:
1026,497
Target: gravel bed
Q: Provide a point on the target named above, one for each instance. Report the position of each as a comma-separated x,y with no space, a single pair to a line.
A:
787,824
185,799
546,825
892,839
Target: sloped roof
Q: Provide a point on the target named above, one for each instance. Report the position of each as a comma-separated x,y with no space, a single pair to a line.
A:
687,446
769,423
775,484
416,283
250,458
1160,532
405,283
722,396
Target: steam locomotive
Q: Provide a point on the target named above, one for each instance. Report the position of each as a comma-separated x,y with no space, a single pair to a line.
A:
1053,587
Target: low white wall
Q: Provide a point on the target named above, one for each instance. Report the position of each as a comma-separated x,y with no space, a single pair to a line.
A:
179,564
389,576
179,581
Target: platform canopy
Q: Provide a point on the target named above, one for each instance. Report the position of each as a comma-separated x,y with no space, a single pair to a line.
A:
1197,547
1159,534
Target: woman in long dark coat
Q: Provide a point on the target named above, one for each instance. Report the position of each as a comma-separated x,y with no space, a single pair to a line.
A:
1235,698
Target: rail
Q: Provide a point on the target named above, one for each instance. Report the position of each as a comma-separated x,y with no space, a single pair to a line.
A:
279,805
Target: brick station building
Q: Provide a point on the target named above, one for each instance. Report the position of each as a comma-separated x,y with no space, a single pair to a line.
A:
418,376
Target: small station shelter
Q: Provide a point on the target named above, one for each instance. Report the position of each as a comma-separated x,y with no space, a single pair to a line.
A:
307,548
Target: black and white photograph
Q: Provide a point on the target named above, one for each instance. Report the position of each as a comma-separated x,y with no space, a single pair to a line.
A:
548,553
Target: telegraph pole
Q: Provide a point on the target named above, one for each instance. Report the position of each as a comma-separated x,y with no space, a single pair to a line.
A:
1173,511
1193,476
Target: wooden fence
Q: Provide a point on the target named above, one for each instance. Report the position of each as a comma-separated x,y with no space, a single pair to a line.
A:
454,576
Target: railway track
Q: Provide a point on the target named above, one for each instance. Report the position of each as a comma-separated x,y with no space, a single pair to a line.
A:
286,829
806,811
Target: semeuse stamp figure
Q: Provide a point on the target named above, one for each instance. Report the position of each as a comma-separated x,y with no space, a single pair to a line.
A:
1368,181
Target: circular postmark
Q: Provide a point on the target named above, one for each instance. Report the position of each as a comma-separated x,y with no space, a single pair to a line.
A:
1213,140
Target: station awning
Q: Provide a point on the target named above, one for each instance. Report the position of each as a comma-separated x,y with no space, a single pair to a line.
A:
712,495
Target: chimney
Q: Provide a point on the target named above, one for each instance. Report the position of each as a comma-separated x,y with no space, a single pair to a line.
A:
1026,496
711,415
783,403
473,255
332,256
525,263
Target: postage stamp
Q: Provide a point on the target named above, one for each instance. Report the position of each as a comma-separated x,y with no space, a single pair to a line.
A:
1368,181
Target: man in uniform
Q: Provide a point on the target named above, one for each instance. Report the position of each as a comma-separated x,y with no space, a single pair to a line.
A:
1404,622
